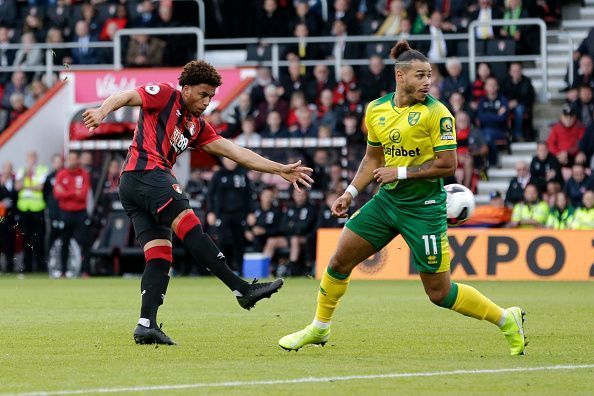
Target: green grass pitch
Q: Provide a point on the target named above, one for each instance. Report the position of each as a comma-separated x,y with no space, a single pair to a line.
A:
76,335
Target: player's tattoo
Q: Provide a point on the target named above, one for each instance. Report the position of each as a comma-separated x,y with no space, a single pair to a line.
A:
419,168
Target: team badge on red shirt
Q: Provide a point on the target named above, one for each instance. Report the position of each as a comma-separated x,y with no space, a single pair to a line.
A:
191,128
177,188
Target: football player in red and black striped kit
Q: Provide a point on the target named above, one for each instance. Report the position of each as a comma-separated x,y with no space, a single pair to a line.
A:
169,123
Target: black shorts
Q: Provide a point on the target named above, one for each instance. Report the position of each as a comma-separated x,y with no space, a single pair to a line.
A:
144,194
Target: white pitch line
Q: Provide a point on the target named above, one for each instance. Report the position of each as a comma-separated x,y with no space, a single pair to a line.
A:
304,380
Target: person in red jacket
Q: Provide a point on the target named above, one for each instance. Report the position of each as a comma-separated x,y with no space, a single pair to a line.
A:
71,191
563,142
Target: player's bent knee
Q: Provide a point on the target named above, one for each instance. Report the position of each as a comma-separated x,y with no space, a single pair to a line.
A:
155,243
437,296
340,265
188,222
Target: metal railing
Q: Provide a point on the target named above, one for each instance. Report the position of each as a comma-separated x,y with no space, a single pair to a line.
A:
507,22
117,40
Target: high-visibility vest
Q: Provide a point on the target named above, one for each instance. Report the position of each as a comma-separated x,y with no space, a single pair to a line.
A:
32,200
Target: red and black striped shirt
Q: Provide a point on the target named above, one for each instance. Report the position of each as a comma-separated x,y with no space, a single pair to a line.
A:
165,129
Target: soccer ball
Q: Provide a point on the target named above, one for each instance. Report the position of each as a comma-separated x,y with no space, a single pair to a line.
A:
460,203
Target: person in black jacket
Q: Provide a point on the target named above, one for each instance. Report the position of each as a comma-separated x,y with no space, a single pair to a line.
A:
8,198
377,80
264,225
519,92
230,198
544,167
515,191
325,217
53,210
300,219
586,145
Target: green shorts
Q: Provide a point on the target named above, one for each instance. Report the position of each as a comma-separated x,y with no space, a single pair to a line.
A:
423,228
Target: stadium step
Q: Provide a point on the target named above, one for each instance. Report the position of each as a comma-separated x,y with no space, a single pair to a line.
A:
482,199
486,187
523,148
503,174
553,83
553,72
587,12
510,160
556,48
589,2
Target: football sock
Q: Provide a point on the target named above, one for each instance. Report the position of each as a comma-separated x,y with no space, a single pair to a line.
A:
203,249
332,287
468,301
153,285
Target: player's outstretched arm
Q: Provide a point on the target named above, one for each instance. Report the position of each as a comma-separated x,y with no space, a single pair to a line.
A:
374,158
93,117
442,166
293,173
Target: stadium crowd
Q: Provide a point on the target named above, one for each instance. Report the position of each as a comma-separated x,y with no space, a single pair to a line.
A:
248,211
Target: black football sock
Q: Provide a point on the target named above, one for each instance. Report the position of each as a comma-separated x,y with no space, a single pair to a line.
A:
153,287
203,249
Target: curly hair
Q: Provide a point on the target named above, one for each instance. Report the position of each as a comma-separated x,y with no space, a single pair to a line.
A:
403,54
199,72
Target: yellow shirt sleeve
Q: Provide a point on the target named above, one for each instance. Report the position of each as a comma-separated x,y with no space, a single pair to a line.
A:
442,128
517,212
372,139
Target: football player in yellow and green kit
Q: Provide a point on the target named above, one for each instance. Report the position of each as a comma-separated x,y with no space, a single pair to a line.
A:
411,147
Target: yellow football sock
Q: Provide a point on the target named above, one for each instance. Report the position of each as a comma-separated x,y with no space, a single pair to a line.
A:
471,302
332,287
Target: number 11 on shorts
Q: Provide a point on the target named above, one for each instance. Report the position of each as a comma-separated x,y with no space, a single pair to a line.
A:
433,242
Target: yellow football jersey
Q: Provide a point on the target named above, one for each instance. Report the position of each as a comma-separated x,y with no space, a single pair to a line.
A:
411,136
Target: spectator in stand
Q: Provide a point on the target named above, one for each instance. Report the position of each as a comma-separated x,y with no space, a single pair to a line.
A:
586,47
114,23
8,13
34,23
485,13
585,73
248,136
53,209
577,184
586,146
352,130
472,151
147,17
196,187
563,141
347,49
270,21
71,190
421,20
437,47
549,11
6,55
492,117
17,107
341,11
264,229
62,56
303,50
263,79
322,80
517,185
305,127
328,113
478,86
321,161
583,218
31,206
457,103
391,25
83,54
59,15
91,17
242,110
274,126
455,81
495,214
337,181
299,220
230,200
325,217
585,105
109,192
17,84
8,200
273,101
519,91
374,80
28,56
294,80
34,92
347,76
215,119
544,167
531,212
177,52
561,214
353,102
520,34
145,51
303,15
297,101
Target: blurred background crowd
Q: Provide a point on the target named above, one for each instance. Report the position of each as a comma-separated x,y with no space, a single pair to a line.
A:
253,212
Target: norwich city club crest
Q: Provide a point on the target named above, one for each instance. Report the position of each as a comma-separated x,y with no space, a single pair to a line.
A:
413,118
